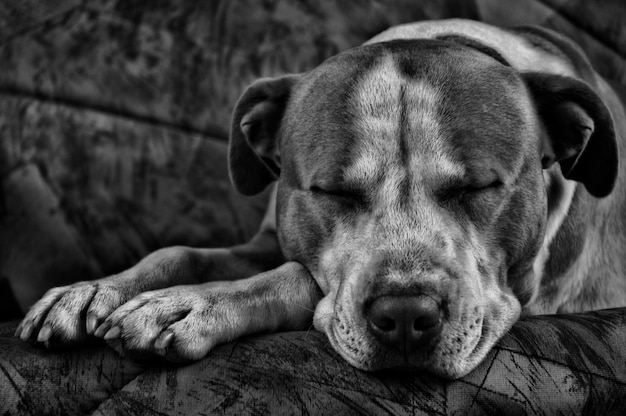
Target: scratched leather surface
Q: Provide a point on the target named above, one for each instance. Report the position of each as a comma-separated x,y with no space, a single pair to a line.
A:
113,119
572,364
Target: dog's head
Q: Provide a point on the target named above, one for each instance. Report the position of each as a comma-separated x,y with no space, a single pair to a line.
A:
412,185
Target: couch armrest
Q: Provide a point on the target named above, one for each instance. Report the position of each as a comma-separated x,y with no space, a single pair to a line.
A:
574,364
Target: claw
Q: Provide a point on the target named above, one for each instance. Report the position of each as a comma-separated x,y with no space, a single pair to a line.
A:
26,331
113,333
164,340
44,334
92,323
102,329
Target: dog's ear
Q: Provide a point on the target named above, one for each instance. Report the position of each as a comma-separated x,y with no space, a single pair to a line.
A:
253,154
581,135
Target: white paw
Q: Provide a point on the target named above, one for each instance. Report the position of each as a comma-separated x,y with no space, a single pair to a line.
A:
181,323
67,315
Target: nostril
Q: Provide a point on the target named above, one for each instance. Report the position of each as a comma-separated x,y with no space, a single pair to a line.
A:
385,323
426,322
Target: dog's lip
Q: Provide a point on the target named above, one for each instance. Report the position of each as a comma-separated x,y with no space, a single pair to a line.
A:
470,359
349,353
342,347
475,356
484,344
488,339
482,339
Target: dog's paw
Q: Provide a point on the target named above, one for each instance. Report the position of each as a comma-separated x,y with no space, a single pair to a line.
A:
69,314
180,323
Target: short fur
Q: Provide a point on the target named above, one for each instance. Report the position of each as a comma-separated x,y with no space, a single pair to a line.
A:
432,185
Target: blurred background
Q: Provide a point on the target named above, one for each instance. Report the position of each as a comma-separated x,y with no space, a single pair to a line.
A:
114,114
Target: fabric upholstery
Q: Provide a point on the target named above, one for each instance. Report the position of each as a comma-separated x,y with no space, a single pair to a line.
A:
561,364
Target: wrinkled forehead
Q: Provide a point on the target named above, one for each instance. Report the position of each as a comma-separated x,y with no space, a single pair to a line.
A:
449,107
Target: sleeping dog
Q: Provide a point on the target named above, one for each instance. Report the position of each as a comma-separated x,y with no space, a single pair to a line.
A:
431,186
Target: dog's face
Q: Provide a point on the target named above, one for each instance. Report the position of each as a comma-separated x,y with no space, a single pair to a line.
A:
421,178
411,186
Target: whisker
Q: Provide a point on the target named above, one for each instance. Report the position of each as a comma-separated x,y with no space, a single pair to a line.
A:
305,308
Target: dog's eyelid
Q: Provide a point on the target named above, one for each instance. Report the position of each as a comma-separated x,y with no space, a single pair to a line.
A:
319,189
494,184
337,192
329,188
468,186
464,188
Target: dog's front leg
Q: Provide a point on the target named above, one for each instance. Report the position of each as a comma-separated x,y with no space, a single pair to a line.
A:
183,323
70,314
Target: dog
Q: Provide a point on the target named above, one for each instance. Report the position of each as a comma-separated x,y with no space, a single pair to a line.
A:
429,187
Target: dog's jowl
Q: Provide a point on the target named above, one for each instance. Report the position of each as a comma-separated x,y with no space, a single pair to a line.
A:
430,187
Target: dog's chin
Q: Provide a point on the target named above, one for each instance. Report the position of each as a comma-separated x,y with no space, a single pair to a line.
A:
435,361
367,355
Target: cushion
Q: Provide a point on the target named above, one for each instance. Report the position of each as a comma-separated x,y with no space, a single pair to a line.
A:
557,364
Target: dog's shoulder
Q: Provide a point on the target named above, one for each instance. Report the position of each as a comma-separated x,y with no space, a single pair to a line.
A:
528,48
560,46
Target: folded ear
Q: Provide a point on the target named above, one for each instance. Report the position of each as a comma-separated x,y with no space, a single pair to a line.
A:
253,154
581,135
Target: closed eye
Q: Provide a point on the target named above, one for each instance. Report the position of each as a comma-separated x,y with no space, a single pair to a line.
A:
341,195
480,188
468,191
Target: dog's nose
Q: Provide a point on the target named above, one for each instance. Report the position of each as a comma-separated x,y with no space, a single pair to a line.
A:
405,322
